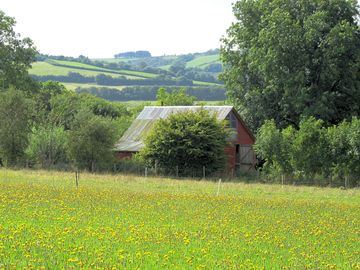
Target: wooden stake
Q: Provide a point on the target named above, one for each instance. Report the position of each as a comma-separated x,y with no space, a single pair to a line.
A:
77,178
146,172
218,190
204,171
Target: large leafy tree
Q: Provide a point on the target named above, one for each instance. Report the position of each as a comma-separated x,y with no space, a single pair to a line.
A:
187,141
16,56
15,126
91,141
285,60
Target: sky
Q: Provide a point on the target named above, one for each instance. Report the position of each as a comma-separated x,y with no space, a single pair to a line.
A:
100,29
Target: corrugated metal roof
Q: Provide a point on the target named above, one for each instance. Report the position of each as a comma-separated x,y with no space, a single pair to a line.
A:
131,141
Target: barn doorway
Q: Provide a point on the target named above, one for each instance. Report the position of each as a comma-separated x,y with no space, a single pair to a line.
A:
245,158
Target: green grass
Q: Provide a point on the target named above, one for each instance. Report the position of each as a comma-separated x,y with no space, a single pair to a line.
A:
131,222
202,61
77,64
90,67
73,86
207,83
44,68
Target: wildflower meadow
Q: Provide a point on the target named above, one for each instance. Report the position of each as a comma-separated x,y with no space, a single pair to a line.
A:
126,222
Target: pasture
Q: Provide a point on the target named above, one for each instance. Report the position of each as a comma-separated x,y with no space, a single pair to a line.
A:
47,68
117,221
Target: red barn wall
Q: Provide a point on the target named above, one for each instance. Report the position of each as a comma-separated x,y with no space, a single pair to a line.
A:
124,155
243,137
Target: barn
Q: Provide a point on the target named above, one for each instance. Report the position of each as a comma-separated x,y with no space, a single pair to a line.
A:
240,152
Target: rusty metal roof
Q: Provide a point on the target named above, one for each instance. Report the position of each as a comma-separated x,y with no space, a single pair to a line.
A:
132,140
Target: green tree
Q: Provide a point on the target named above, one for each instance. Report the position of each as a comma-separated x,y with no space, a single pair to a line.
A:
46,91
309,155
91,140
47,146
285,60
188,140
15,125
16,56
274,146
64,108
344,146
175,98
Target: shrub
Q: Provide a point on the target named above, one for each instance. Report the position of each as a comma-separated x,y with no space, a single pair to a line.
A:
187,141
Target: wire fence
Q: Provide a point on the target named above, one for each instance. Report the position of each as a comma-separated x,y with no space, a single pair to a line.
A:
247,176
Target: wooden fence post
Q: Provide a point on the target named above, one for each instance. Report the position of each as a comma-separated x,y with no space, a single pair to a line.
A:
218,190
77,178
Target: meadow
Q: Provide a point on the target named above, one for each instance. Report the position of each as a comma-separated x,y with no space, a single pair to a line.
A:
128,222
46,68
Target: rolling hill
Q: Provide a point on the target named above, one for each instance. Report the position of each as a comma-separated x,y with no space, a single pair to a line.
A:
195,72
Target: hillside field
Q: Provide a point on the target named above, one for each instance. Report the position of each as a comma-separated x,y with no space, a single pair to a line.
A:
127,222
47,68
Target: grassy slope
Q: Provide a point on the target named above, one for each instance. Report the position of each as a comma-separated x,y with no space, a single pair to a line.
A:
73,86
129,222
90,67
201,61
44,68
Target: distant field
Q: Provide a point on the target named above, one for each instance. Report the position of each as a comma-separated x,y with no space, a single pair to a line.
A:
206,83
125,222
202,61
73,86
44,68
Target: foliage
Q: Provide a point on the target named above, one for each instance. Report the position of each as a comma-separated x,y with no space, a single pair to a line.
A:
175,98
285,60
274,146
46,91
64,108
344,146
313,153
308,152
47,147
118,222
15,125
150,92
137,54
91,141
16,56
187,140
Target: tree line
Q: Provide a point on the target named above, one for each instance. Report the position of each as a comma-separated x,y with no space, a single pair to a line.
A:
150,92
54,128
137,54
102,79
311,154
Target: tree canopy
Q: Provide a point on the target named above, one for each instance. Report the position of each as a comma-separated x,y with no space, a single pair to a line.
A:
187,141
91,141
285,60
16,55
15,126
175,98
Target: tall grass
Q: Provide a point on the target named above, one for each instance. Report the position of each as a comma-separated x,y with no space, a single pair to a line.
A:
118,221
